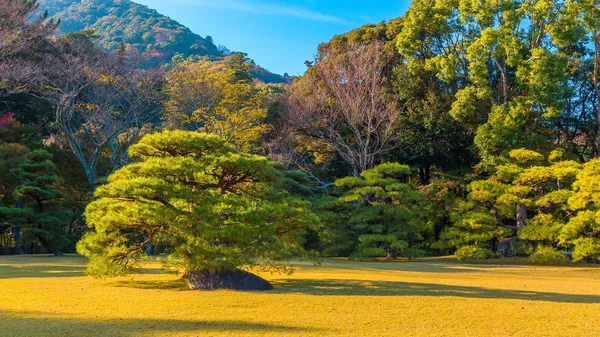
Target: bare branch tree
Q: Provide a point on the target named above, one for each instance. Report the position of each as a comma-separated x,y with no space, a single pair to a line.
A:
344,103
22,38
102,101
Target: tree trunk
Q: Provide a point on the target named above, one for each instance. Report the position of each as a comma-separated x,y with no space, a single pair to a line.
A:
17,238
49,247
521,216
596,74
17,232
422,176
425,174
88,165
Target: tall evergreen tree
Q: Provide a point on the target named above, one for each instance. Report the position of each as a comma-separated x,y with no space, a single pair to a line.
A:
40,213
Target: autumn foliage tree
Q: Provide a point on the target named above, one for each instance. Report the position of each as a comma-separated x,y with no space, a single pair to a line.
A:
22,42
102,102
218,98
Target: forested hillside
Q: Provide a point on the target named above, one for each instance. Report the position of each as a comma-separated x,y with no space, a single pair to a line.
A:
123,21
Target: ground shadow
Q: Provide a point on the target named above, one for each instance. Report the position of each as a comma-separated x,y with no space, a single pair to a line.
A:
37,271
176,284
40,324
48,266
384,288
442,266
417,266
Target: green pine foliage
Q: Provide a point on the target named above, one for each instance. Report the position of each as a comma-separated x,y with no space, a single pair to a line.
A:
216,209
529,198
40,211
384,214
338,237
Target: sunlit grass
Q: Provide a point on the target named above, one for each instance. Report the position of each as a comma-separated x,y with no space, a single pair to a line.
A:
48,296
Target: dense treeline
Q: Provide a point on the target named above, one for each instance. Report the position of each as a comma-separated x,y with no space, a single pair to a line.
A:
461,128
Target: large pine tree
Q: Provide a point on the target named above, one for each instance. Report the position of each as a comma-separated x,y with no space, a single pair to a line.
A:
40,213
215,209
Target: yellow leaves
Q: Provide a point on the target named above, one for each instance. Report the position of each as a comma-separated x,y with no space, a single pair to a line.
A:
103,78
206,96
556,155
525,156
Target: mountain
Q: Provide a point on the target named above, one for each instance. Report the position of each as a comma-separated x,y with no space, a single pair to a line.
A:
124,21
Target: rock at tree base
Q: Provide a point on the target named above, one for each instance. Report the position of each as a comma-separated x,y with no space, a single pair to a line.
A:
236,280
506,247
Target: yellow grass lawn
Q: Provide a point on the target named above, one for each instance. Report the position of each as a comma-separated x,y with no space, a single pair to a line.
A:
48,296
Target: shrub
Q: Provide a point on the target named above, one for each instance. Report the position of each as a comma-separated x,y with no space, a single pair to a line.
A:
550,255
413,253
474,252
369,253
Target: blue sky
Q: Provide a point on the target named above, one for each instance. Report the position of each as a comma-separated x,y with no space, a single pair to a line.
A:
278,34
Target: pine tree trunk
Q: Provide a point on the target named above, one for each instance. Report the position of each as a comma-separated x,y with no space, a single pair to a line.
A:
17,238
49,246
17,232
521,216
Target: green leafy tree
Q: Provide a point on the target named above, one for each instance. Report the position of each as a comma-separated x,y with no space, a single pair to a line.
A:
582,232
217,209
385,215
511,61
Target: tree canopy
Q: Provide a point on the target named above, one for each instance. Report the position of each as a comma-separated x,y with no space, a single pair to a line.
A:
219,209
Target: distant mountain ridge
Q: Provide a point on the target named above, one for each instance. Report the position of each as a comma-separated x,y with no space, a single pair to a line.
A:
136,25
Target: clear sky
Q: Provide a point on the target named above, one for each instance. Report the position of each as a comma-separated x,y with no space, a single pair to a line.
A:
278,34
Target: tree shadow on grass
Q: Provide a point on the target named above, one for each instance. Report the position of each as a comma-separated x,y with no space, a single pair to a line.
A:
41,324
417,266
443,266
37,271
48,266
506,265
176,284
385,288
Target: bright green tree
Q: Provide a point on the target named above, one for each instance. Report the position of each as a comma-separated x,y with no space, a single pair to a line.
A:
582,232
511,61
385,211
522,207
217,209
